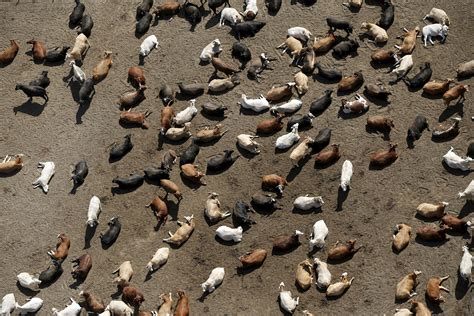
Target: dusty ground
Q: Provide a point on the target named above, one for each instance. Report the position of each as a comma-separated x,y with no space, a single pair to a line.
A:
379,199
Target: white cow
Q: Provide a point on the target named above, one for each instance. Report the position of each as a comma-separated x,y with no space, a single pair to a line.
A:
8,305
318,236
31,306
288,107
93,212
468,193
159,258
257,105
230,234
438,15
456,162
117,307
78,73
187,114
324,276
148,45
307,202
346,175
46,175
402,66
288,140
287,302
231,15
72,309
434,30
211,49
251,9
465,266
300,33
215,279
246,142
28,281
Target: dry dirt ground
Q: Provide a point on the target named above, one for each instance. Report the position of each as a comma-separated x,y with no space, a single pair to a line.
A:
378,200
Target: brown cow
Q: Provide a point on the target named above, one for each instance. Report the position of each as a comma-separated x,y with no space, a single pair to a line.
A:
62,248
274,182
132,98
190,172
171,187
285,242
328,156
92,303
254,258
167,114
101,70
435,88
270,126
276,94
351,83
433,289
10,165
132,296
135,118
9,54
429,233
340,252
323,45
380,123
82,266
455,223
384,157
167,8
454,93
38,51
382,56
222,66
136,76
160,209
409,41
182,307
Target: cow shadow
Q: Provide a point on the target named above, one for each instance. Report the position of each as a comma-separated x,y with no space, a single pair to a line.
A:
312,210
376,101
241,271
248,112
212,21
88,235
433,307
427,243
277,252
348,116
76,284
431,96
120,191
458,109
213,117
30,108
385,134
25,291
462,287
9,174
225,242
81,110
324,80
190,184
467,209
245,153
341,198
455,172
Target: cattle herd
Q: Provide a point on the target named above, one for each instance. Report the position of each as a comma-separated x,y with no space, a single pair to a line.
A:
281,103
